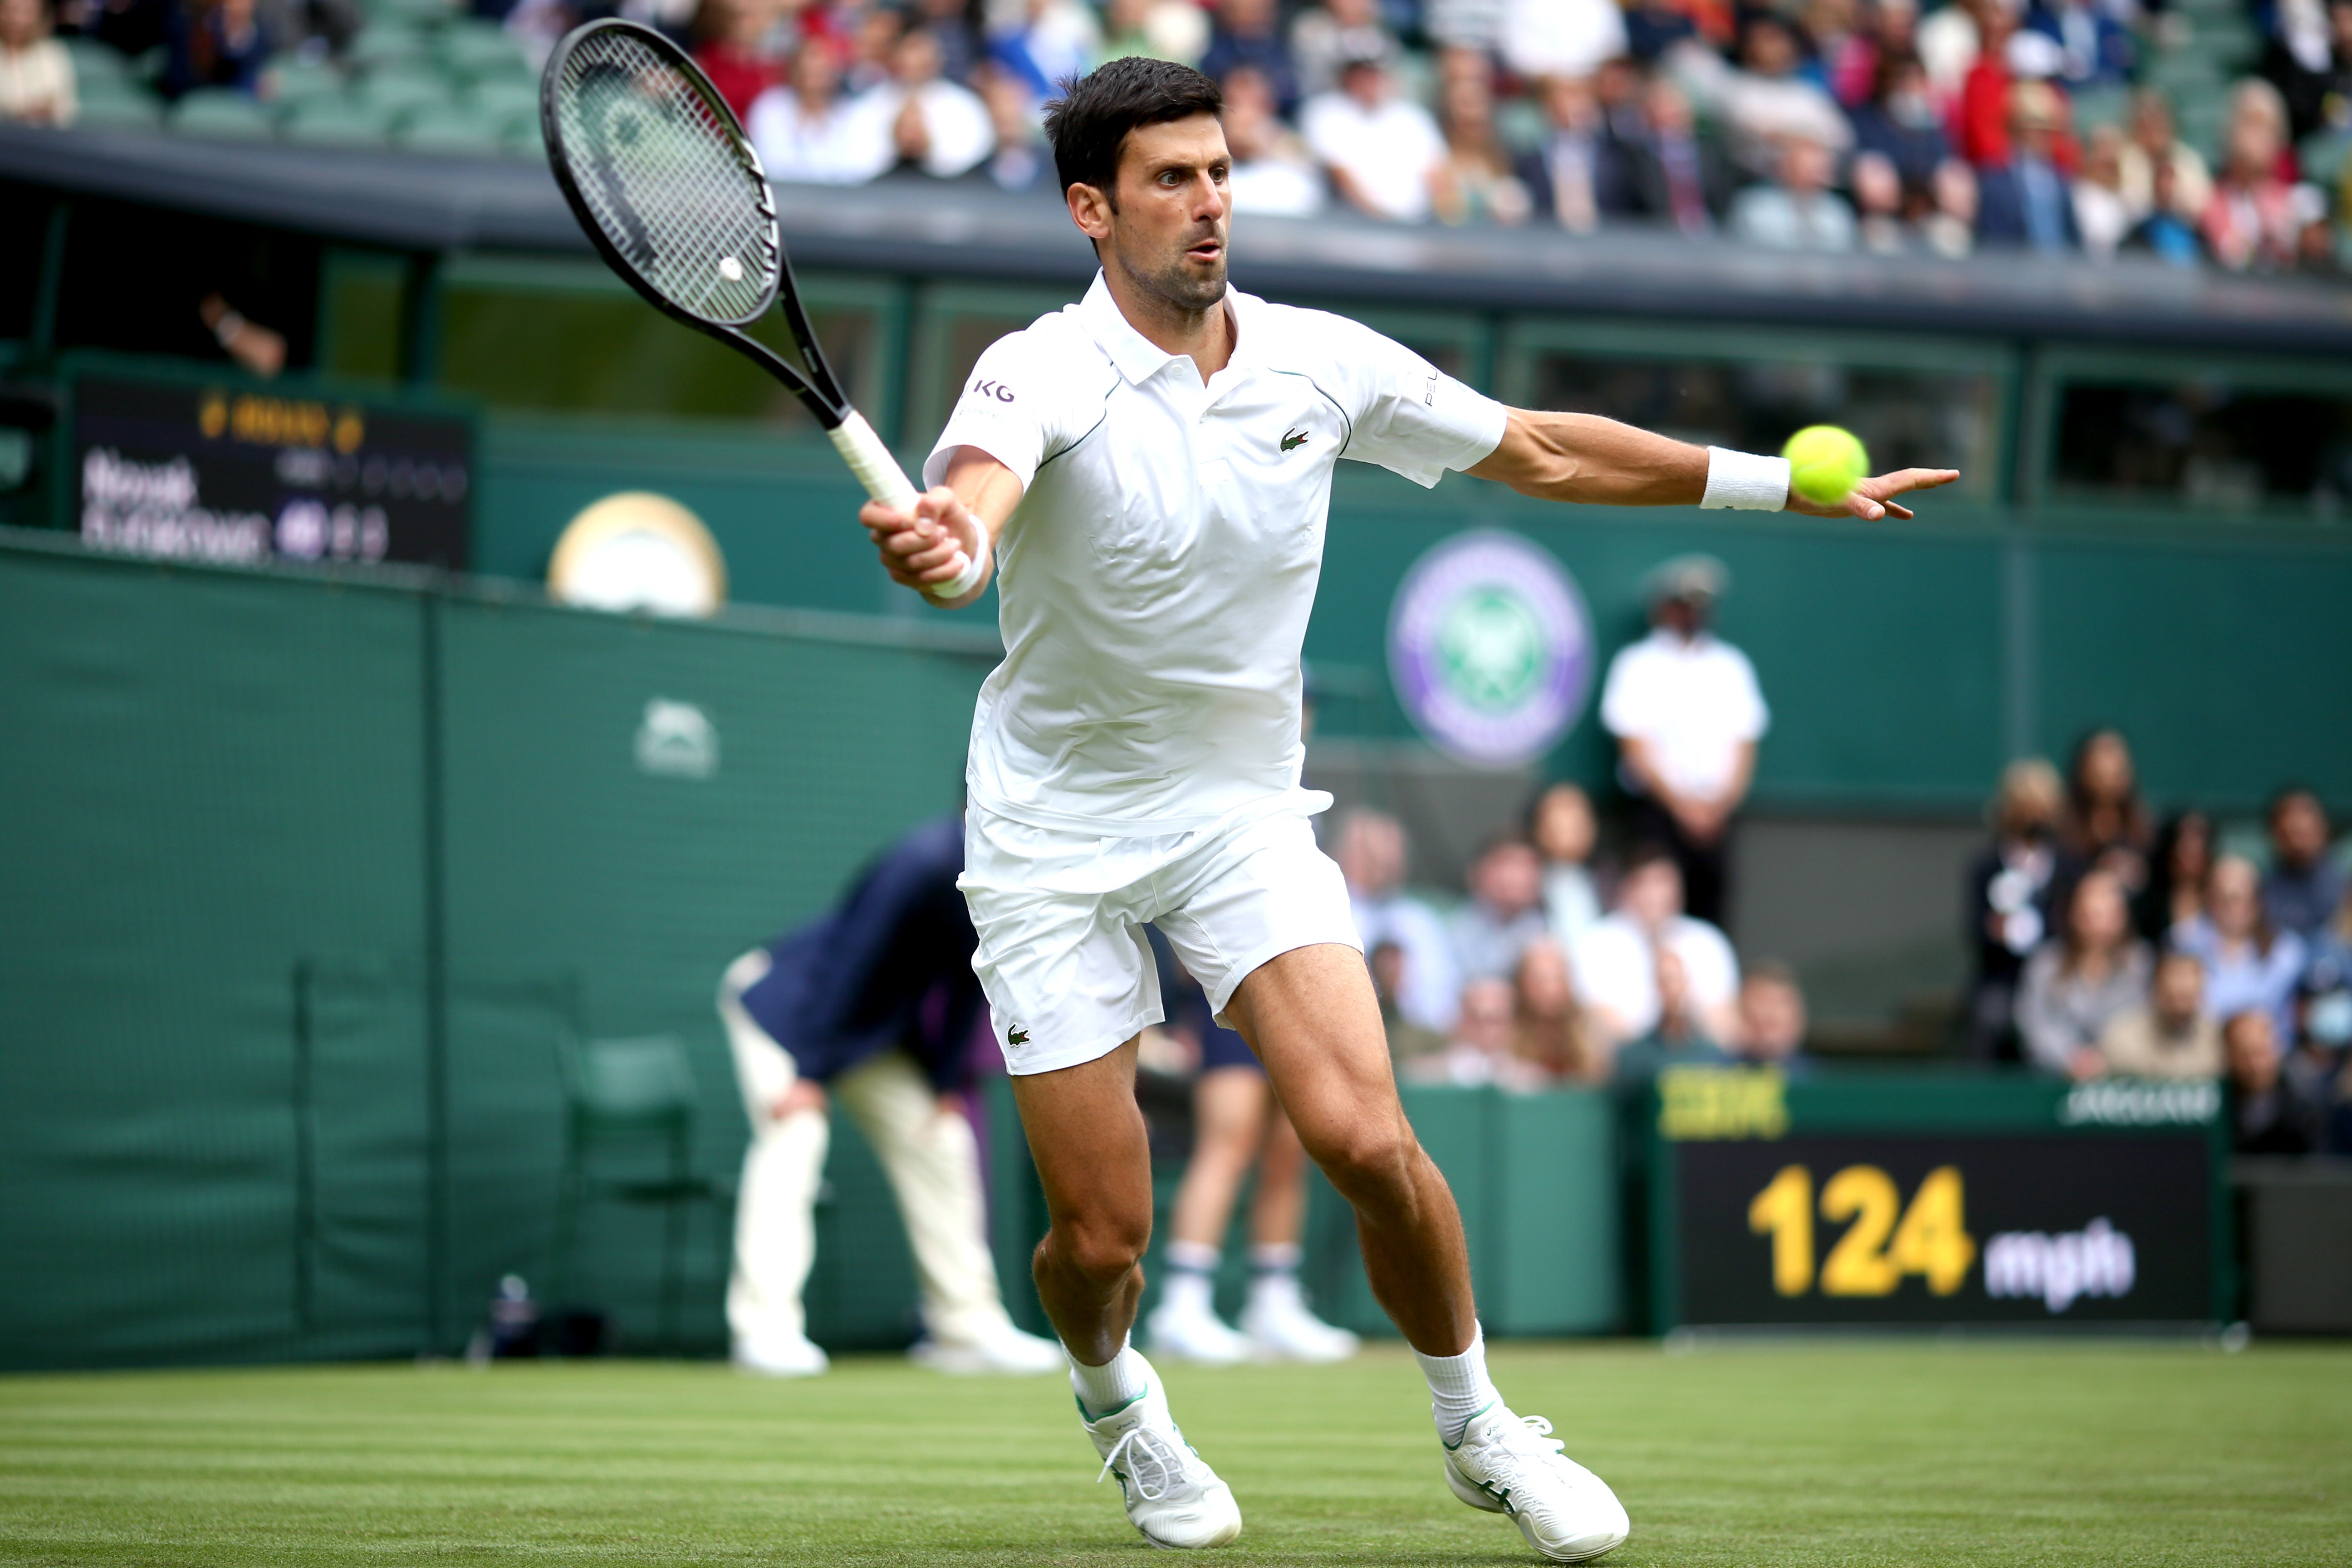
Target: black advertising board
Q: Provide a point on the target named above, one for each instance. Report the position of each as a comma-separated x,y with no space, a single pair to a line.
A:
1897,1201
184,468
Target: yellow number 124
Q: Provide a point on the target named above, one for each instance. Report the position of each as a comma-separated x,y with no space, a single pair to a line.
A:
1877,1250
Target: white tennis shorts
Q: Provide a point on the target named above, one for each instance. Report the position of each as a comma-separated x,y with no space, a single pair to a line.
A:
1063,957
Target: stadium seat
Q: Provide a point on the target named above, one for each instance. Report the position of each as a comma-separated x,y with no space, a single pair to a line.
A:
524,139
424,13
453,128
222,111
94,61
624,1097
131,109
478,49
387,43
300,81
404,92
339,122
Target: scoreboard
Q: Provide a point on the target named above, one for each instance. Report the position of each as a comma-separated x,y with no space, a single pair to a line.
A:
1893,1200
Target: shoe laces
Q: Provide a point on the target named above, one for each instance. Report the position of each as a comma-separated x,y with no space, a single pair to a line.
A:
1154,1464
1529,1437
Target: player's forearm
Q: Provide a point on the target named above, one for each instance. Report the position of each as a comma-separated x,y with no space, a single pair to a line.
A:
1586,458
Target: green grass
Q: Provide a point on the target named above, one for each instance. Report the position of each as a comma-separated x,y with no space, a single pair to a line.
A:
1847,1454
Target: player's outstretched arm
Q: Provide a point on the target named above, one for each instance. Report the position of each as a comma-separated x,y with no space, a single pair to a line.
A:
1584,458
952,525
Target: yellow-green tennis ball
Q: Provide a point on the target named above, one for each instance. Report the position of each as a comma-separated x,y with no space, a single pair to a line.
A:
1824,462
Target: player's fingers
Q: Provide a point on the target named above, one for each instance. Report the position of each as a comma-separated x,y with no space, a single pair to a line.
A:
880,518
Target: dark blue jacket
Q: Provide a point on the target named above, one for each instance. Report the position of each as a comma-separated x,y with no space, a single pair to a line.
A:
2000,209
889,967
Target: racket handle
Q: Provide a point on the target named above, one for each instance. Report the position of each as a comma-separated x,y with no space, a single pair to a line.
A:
887,482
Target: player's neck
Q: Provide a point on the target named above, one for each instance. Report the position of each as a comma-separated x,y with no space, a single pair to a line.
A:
1206,336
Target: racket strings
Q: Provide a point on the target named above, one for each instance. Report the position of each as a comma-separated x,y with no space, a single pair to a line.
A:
667,178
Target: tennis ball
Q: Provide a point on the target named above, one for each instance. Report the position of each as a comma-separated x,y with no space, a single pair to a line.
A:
1824,462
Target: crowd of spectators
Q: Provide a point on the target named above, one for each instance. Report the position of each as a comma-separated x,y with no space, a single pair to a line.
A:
2109,944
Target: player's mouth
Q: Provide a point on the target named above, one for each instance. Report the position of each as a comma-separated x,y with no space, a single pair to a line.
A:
1206,251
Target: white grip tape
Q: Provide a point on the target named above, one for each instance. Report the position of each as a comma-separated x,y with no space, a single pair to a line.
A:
887,482
1745,481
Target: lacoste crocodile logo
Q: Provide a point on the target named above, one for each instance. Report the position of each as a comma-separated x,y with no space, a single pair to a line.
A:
1016,1037
1294,438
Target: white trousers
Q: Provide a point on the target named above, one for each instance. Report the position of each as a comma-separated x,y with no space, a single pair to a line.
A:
929,1154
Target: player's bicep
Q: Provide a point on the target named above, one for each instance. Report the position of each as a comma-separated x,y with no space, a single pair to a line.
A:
1006,410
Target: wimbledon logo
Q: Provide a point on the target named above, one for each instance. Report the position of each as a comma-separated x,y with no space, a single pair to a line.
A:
1490,647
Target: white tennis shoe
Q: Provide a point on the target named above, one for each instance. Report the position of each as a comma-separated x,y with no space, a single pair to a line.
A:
779,1356
1194,1333
1511,1464
1279,1327
999,1348
1171,1495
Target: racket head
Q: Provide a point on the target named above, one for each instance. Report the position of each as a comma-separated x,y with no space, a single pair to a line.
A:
660,175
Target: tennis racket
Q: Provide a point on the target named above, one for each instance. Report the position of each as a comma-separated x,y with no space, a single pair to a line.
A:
659,173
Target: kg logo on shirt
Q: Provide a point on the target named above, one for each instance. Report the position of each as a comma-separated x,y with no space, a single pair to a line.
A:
996,389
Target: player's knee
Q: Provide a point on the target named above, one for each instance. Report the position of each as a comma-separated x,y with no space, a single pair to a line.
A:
1365,1157
1104,1248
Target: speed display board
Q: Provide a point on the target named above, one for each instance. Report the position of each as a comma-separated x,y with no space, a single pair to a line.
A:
180,467
1902,1202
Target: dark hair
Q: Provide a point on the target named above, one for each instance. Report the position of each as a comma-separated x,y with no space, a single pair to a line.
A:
1088,123
2285,794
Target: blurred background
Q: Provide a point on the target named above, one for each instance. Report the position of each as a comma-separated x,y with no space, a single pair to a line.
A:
420,660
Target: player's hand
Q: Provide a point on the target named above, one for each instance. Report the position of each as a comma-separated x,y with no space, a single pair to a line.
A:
930,544
1871,500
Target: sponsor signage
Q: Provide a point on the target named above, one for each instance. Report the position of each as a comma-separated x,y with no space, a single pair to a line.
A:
219,472
1490,648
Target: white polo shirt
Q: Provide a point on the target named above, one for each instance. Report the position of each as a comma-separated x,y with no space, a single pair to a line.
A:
1693,702
1154,584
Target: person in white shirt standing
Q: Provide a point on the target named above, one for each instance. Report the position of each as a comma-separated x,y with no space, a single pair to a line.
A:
1383,152
1687,714
1150,471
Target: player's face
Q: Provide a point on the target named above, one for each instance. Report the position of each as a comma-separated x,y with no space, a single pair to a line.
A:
1169,231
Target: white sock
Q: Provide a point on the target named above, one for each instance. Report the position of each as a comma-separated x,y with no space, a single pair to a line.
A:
1274,1272
1458,1386
1190,1285
1123,1380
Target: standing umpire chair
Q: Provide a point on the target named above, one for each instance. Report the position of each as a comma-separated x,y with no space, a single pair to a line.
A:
633,1101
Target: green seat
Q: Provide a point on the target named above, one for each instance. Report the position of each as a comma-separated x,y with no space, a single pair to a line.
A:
305,81
478,49
629,1138
94,61
453,128
128,110
387,43
403,92
339,122
505,97
524,138
414,13
224,112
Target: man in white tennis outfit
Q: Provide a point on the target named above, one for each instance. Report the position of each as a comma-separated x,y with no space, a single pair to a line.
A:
1148,471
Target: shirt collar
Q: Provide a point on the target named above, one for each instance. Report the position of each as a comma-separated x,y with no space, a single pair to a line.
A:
1139,359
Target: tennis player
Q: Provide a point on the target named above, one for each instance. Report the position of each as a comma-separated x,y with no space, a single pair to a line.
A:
1148,472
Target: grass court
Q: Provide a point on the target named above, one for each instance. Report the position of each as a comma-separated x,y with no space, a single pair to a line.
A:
1866,1453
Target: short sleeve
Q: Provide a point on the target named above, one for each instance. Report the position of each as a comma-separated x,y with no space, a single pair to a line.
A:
1413,418
1007,410
1620,693
1751,717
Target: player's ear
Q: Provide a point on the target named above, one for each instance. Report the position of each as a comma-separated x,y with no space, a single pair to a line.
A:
1090,209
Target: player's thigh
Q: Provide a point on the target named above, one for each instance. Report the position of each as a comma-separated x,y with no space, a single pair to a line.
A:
1087,1139
1313,1017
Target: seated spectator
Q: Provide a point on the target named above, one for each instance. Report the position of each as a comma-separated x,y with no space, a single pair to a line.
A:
1951,227
2075,987
1249,35
1560,38
2094,49
1773,1022
1574,175
2170,1035
1561,826
1407,1041
1678,1038
1483,1047
2023,199
2009,890
1617,87
1475,181
1324,39
216,43
1270,172
1383,153
2269,1112
1948,42
1553,1038
2100,215
935,125
2309,60
1371,852
1654,27
731,45
1879,228
2249,222
874,32
1898,121
950,23
2167,233
1616,964
2152,144
2305,885
1158,29
1022,160
1505,914
2176,870
36,75
1671,172
2325,994
1979,124
2250,966
1056,39
807,131
1796,210
1767,102
2106,824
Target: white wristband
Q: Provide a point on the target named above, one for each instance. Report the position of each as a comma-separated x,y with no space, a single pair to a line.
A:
974,568
1745,481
